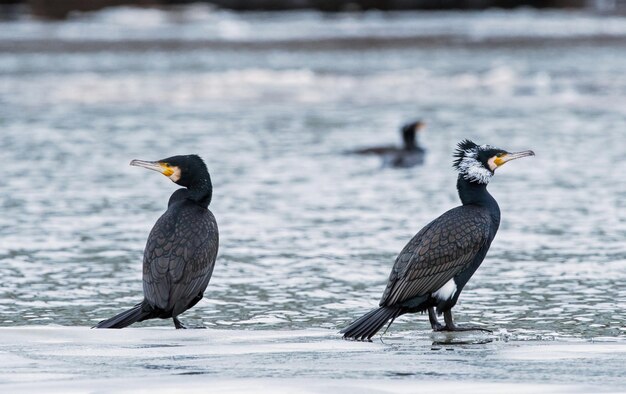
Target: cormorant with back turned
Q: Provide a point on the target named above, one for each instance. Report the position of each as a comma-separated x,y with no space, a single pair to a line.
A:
181,249
435,265
409,155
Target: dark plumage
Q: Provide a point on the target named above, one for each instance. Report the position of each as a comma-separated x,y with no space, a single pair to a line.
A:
409,155
181,249
435,265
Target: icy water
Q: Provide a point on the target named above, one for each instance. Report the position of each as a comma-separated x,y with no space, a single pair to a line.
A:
296,361
308,234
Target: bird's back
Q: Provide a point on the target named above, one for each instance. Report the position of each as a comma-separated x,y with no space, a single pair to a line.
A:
179,256
404,158
442,249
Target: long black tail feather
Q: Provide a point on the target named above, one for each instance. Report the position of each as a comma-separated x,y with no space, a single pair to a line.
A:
125,319
365,327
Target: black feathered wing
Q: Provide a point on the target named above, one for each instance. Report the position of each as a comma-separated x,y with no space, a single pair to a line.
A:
441,250
179,257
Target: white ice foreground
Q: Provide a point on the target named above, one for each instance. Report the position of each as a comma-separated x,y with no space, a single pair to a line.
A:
78,359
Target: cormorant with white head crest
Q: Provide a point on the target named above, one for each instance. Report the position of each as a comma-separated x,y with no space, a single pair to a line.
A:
432,269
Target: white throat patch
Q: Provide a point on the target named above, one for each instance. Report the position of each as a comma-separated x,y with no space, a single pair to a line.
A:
472,169
175,175
492,164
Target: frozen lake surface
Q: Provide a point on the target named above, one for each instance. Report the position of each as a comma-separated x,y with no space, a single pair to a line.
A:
308,234
61,359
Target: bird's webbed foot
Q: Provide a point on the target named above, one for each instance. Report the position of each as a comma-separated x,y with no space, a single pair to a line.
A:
450,326
459,328
181,326
178,324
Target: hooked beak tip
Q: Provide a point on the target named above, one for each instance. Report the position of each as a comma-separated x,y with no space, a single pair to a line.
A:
150,165
518,155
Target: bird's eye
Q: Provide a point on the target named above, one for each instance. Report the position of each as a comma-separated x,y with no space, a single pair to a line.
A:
499,154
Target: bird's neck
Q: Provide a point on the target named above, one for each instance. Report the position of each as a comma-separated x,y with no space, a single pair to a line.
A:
410,142
474,193
201,191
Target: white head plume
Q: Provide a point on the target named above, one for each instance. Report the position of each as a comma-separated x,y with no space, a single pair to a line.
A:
468,163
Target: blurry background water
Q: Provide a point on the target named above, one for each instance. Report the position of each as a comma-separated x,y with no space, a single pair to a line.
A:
272,102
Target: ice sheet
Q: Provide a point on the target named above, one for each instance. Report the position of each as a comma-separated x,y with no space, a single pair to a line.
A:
76,359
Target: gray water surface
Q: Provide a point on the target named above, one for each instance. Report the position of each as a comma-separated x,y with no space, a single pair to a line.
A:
308,234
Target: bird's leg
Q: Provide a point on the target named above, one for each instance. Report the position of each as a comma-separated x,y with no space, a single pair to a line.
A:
450,326
434,323
178,324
